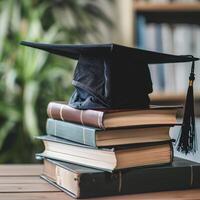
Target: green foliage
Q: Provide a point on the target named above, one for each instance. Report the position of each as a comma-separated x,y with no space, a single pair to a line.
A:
30,78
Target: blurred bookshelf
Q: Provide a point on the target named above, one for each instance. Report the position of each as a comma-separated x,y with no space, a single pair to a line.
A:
174,12
175,99
169,98
141,6
170,27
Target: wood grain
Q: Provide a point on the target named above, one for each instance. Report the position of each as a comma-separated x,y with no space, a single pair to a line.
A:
174,195
35,196
24,187
22,182
21,179
20,170
168,195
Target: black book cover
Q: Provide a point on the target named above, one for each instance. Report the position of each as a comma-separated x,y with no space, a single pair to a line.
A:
181,174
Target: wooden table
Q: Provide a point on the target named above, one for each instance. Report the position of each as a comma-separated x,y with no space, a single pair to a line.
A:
22,182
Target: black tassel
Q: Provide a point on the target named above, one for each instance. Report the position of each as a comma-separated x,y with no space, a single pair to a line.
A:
187,140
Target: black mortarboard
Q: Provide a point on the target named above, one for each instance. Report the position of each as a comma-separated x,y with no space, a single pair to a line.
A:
113,76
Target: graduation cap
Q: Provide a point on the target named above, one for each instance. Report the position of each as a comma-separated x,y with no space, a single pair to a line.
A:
112,76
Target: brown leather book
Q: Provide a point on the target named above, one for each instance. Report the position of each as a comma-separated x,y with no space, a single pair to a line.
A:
154,115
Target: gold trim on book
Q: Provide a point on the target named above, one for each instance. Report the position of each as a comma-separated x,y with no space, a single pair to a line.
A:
50,110
81,117
99,120
61,110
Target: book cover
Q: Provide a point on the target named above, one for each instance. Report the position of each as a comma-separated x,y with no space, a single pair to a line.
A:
73,132
107,159
110,137
113,118
87,182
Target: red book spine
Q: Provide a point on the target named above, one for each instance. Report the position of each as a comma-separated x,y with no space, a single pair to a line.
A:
64,112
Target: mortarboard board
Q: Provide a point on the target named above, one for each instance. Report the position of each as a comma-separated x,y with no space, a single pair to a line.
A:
114,76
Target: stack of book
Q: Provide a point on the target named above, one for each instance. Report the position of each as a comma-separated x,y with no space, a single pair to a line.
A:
108,152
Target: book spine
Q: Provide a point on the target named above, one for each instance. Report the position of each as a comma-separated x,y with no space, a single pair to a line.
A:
141,31
73,132
138,181
182,40
160,67
66,113
151,45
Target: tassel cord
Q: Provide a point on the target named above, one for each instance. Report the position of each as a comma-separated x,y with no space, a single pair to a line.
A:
186,139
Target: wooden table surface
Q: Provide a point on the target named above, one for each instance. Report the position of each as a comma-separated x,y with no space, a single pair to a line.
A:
22,182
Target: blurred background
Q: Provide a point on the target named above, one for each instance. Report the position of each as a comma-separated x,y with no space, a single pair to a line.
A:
30,78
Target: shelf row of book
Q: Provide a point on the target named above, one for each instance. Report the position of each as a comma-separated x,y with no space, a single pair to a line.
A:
111,152
180,39
167,1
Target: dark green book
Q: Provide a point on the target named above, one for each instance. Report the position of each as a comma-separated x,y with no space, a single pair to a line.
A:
96,137
82,182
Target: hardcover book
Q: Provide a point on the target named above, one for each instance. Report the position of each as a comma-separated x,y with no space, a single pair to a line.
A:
110,137
108,159
82,182
154,115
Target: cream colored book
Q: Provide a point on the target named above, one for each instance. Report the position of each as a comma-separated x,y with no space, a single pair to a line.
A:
108,159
